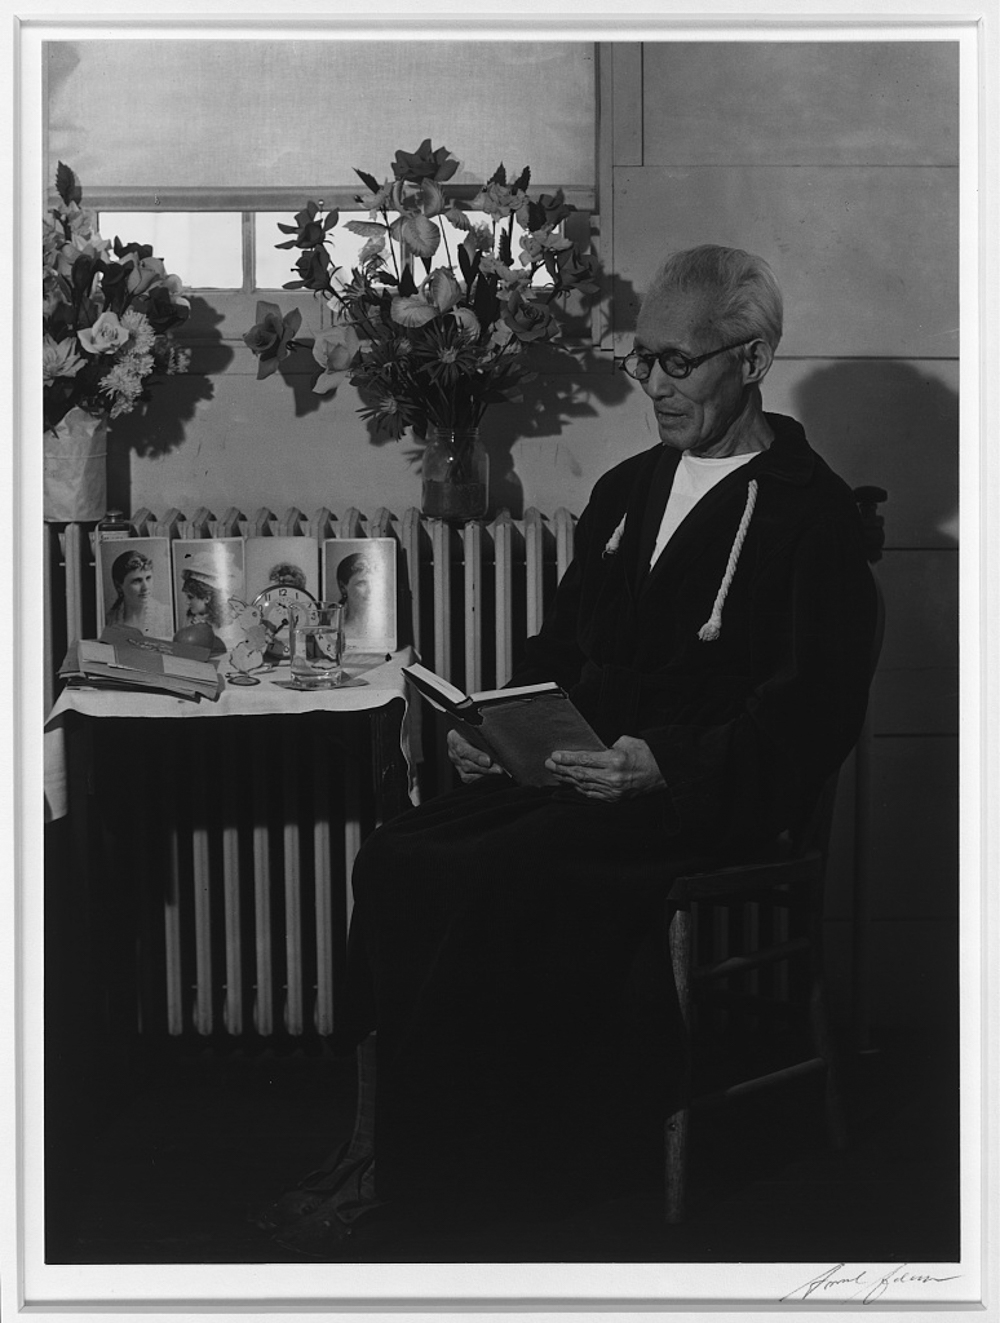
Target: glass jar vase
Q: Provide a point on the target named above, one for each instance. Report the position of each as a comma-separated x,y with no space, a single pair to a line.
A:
455,472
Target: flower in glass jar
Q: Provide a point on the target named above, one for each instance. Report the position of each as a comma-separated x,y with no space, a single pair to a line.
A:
334,350
535,246
529,321
307,230
425,163
445,354
60,359
105,336
143,272
269,340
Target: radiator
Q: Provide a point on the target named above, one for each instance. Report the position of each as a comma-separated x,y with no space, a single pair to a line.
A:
237,923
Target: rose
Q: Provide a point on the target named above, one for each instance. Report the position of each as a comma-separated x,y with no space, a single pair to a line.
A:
269,339
514,279
67,253
308,231
529,321
313,268
425,163
105,336
334,351
534,246
549,209
143,273
572,270
497,200
60,359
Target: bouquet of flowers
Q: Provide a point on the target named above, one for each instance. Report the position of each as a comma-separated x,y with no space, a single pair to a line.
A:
432,351
107,317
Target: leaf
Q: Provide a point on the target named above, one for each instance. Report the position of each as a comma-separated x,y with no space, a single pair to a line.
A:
412,311
67,184
369,181
372,248
457,217
465,264
421,235
83,273
504,254
367,229
485,304
407,285
522,181
499,176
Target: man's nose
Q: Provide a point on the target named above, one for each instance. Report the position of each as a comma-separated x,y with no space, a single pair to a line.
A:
658,383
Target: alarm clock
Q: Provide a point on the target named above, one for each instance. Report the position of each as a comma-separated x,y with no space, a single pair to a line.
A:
274,603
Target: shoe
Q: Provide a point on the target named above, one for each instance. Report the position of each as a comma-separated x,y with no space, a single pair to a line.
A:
327,1236
312,1191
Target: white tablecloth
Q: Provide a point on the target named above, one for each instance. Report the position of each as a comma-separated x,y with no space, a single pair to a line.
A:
373,682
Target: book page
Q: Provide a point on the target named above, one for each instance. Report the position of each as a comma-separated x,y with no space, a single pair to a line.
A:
186,669
519,691
89,650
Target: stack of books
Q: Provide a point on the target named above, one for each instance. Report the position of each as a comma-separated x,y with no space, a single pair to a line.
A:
124,658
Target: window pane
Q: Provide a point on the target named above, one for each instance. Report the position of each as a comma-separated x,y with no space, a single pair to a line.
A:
275,266
204,248
453,238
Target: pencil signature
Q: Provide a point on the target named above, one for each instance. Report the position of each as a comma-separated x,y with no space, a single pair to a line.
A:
841,1283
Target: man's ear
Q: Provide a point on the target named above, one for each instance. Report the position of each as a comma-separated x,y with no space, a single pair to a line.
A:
757,359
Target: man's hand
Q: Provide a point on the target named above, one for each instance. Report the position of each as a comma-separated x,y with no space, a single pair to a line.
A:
626,770
470,763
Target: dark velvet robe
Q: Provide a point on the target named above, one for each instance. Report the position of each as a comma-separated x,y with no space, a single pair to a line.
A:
507,942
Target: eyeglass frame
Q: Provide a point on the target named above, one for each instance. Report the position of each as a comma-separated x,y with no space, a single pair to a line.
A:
689,364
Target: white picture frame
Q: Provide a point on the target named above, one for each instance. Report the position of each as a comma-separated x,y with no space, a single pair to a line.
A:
134,585
291,560
361,573
209,584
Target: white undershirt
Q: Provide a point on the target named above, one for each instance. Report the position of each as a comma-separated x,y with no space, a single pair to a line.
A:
693,478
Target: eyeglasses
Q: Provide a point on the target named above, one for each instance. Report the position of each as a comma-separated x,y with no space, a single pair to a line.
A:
639,363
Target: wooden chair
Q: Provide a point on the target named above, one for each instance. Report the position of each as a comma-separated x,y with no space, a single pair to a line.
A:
745,944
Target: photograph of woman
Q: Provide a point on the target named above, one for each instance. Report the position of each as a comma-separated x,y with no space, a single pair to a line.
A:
133,582
360,573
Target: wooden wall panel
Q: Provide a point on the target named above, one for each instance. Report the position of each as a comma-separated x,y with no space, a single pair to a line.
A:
914,977
915,828
867,257
800,103
916,688
892,423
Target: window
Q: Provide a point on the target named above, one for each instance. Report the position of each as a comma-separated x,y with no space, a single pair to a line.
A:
259,122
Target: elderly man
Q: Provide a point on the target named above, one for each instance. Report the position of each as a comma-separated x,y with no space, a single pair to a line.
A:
715,627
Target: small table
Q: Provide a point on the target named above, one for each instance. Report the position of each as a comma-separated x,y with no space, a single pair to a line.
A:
206,862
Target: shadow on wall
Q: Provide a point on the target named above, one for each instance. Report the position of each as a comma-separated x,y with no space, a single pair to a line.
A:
160,427
896,426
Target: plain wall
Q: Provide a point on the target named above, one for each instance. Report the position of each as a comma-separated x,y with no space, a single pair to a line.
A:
839,163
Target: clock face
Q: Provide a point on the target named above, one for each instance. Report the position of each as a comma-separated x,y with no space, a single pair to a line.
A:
274,603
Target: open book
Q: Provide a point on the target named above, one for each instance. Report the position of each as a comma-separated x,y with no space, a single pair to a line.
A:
517,727
124,658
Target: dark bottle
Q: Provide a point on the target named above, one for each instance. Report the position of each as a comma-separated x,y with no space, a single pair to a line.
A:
114,526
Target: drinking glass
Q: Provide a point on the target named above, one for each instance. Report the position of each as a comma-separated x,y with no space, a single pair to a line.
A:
316,631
